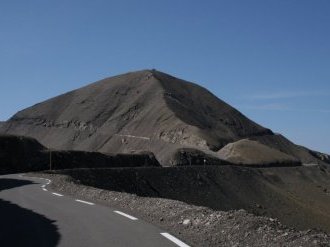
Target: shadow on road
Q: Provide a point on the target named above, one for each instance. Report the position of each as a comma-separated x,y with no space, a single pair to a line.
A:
23,227
9,183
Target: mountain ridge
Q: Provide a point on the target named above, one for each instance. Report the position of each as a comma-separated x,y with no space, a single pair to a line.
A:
143,110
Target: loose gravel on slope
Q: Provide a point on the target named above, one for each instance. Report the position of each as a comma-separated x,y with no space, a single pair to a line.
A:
197,226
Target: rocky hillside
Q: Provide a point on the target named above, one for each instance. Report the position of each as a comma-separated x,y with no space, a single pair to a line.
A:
253,153
146,110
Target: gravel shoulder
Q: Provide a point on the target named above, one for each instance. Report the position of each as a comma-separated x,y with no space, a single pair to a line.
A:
197,226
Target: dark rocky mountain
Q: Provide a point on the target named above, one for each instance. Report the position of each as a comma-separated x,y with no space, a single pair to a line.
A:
146,110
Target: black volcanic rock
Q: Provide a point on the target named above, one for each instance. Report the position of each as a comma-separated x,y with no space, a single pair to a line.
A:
140,111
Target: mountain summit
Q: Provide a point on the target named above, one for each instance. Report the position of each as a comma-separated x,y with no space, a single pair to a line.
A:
143,111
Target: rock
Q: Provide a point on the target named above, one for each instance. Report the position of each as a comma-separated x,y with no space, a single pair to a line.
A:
186,222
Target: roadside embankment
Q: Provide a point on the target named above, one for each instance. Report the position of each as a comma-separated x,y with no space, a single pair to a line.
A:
197,225
297,196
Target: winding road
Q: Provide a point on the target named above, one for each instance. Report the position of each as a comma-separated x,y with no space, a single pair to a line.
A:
31,215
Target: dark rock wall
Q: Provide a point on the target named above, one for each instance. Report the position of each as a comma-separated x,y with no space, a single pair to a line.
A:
21,154
195,157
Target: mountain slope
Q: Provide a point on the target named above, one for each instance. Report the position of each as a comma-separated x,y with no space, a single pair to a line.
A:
254,153
144,110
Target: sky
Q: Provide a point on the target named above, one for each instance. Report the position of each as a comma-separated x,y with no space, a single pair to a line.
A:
270,59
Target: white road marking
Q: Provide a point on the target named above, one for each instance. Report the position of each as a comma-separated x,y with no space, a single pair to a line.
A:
56,194
174,240
126,215
44,185
89,203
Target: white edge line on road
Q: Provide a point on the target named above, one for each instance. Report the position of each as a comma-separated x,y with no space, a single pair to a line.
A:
48,180
89,203
56,194
126,215
43,186
44,189
174,240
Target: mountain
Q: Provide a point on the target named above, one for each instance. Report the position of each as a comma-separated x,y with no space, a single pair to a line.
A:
250,152
145,110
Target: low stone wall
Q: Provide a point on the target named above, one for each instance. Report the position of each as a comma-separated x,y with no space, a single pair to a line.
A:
80,159
21,154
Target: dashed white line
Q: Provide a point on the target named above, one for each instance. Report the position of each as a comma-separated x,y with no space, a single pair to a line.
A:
164,234
56,194
174,240
89,203
126,215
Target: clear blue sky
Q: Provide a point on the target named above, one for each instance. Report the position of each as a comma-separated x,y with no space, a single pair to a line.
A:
268,58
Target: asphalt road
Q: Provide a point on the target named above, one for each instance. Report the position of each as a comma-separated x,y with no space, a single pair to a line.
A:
32,215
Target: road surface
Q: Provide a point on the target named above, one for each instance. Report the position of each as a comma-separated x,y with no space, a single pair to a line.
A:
32,215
